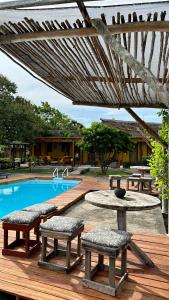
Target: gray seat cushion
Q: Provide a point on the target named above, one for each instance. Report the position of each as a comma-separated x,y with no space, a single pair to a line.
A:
62,224
133,178
107,238
20,217
42,208
114,177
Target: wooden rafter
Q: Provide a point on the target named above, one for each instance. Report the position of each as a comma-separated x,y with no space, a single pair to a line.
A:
33,3
158,26
147,128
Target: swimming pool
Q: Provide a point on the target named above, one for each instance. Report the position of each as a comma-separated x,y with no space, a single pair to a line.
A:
18,195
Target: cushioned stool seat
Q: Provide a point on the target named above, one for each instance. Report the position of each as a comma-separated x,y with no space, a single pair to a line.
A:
109,243
46,210
21,221
61,228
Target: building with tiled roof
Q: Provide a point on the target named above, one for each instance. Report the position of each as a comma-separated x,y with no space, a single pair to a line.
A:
139,136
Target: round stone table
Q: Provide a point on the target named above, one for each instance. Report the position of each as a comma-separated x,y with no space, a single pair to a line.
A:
141,169
132,201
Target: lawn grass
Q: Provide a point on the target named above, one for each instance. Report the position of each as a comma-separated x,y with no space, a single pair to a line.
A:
94,172
47,171
97,172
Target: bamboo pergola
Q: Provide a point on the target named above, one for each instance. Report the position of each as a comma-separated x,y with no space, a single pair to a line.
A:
70,56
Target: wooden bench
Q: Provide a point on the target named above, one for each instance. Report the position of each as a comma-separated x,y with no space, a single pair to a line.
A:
21,221
105,243
65,229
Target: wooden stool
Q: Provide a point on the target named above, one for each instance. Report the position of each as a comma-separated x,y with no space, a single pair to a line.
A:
21,221
46,210
109,243
114,177
133,180
61,228
146,184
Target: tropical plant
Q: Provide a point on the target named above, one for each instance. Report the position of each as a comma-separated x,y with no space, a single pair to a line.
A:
106,142
159,161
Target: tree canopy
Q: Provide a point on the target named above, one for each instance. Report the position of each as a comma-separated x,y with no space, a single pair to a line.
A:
54,119
21,120
106,142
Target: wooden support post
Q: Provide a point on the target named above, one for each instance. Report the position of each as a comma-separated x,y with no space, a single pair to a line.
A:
160,90
146,127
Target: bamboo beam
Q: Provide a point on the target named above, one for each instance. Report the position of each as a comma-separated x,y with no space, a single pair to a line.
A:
147,76
158,26
118,105
103,79
147,128
33,3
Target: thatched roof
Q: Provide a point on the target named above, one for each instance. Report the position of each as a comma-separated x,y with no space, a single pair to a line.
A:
133,128
55,45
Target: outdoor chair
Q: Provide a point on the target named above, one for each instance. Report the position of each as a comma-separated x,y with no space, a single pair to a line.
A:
105,243
116,178
64,229
21,221
45,210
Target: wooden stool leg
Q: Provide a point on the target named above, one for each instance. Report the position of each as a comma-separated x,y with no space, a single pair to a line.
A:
123,261
44,246
87,264
5,238
100,262
141,186
112,271
111,184
37,233
17,235
127,188
55,242
68,251
118,183
26,235
79,245
150,188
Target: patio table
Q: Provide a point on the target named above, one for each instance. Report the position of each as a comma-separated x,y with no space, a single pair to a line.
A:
132,201
141,169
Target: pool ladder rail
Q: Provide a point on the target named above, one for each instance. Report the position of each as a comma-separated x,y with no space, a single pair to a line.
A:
56,173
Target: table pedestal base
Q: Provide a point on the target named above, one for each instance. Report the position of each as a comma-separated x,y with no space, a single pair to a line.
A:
140,254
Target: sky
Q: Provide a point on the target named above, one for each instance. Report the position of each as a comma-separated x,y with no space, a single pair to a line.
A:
35,91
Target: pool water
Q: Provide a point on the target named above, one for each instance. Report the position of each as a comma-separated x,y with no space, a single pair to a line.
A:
18,195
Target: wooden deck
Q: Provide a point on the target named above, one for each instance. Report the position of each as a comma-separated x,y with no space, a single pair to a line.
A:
23,278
